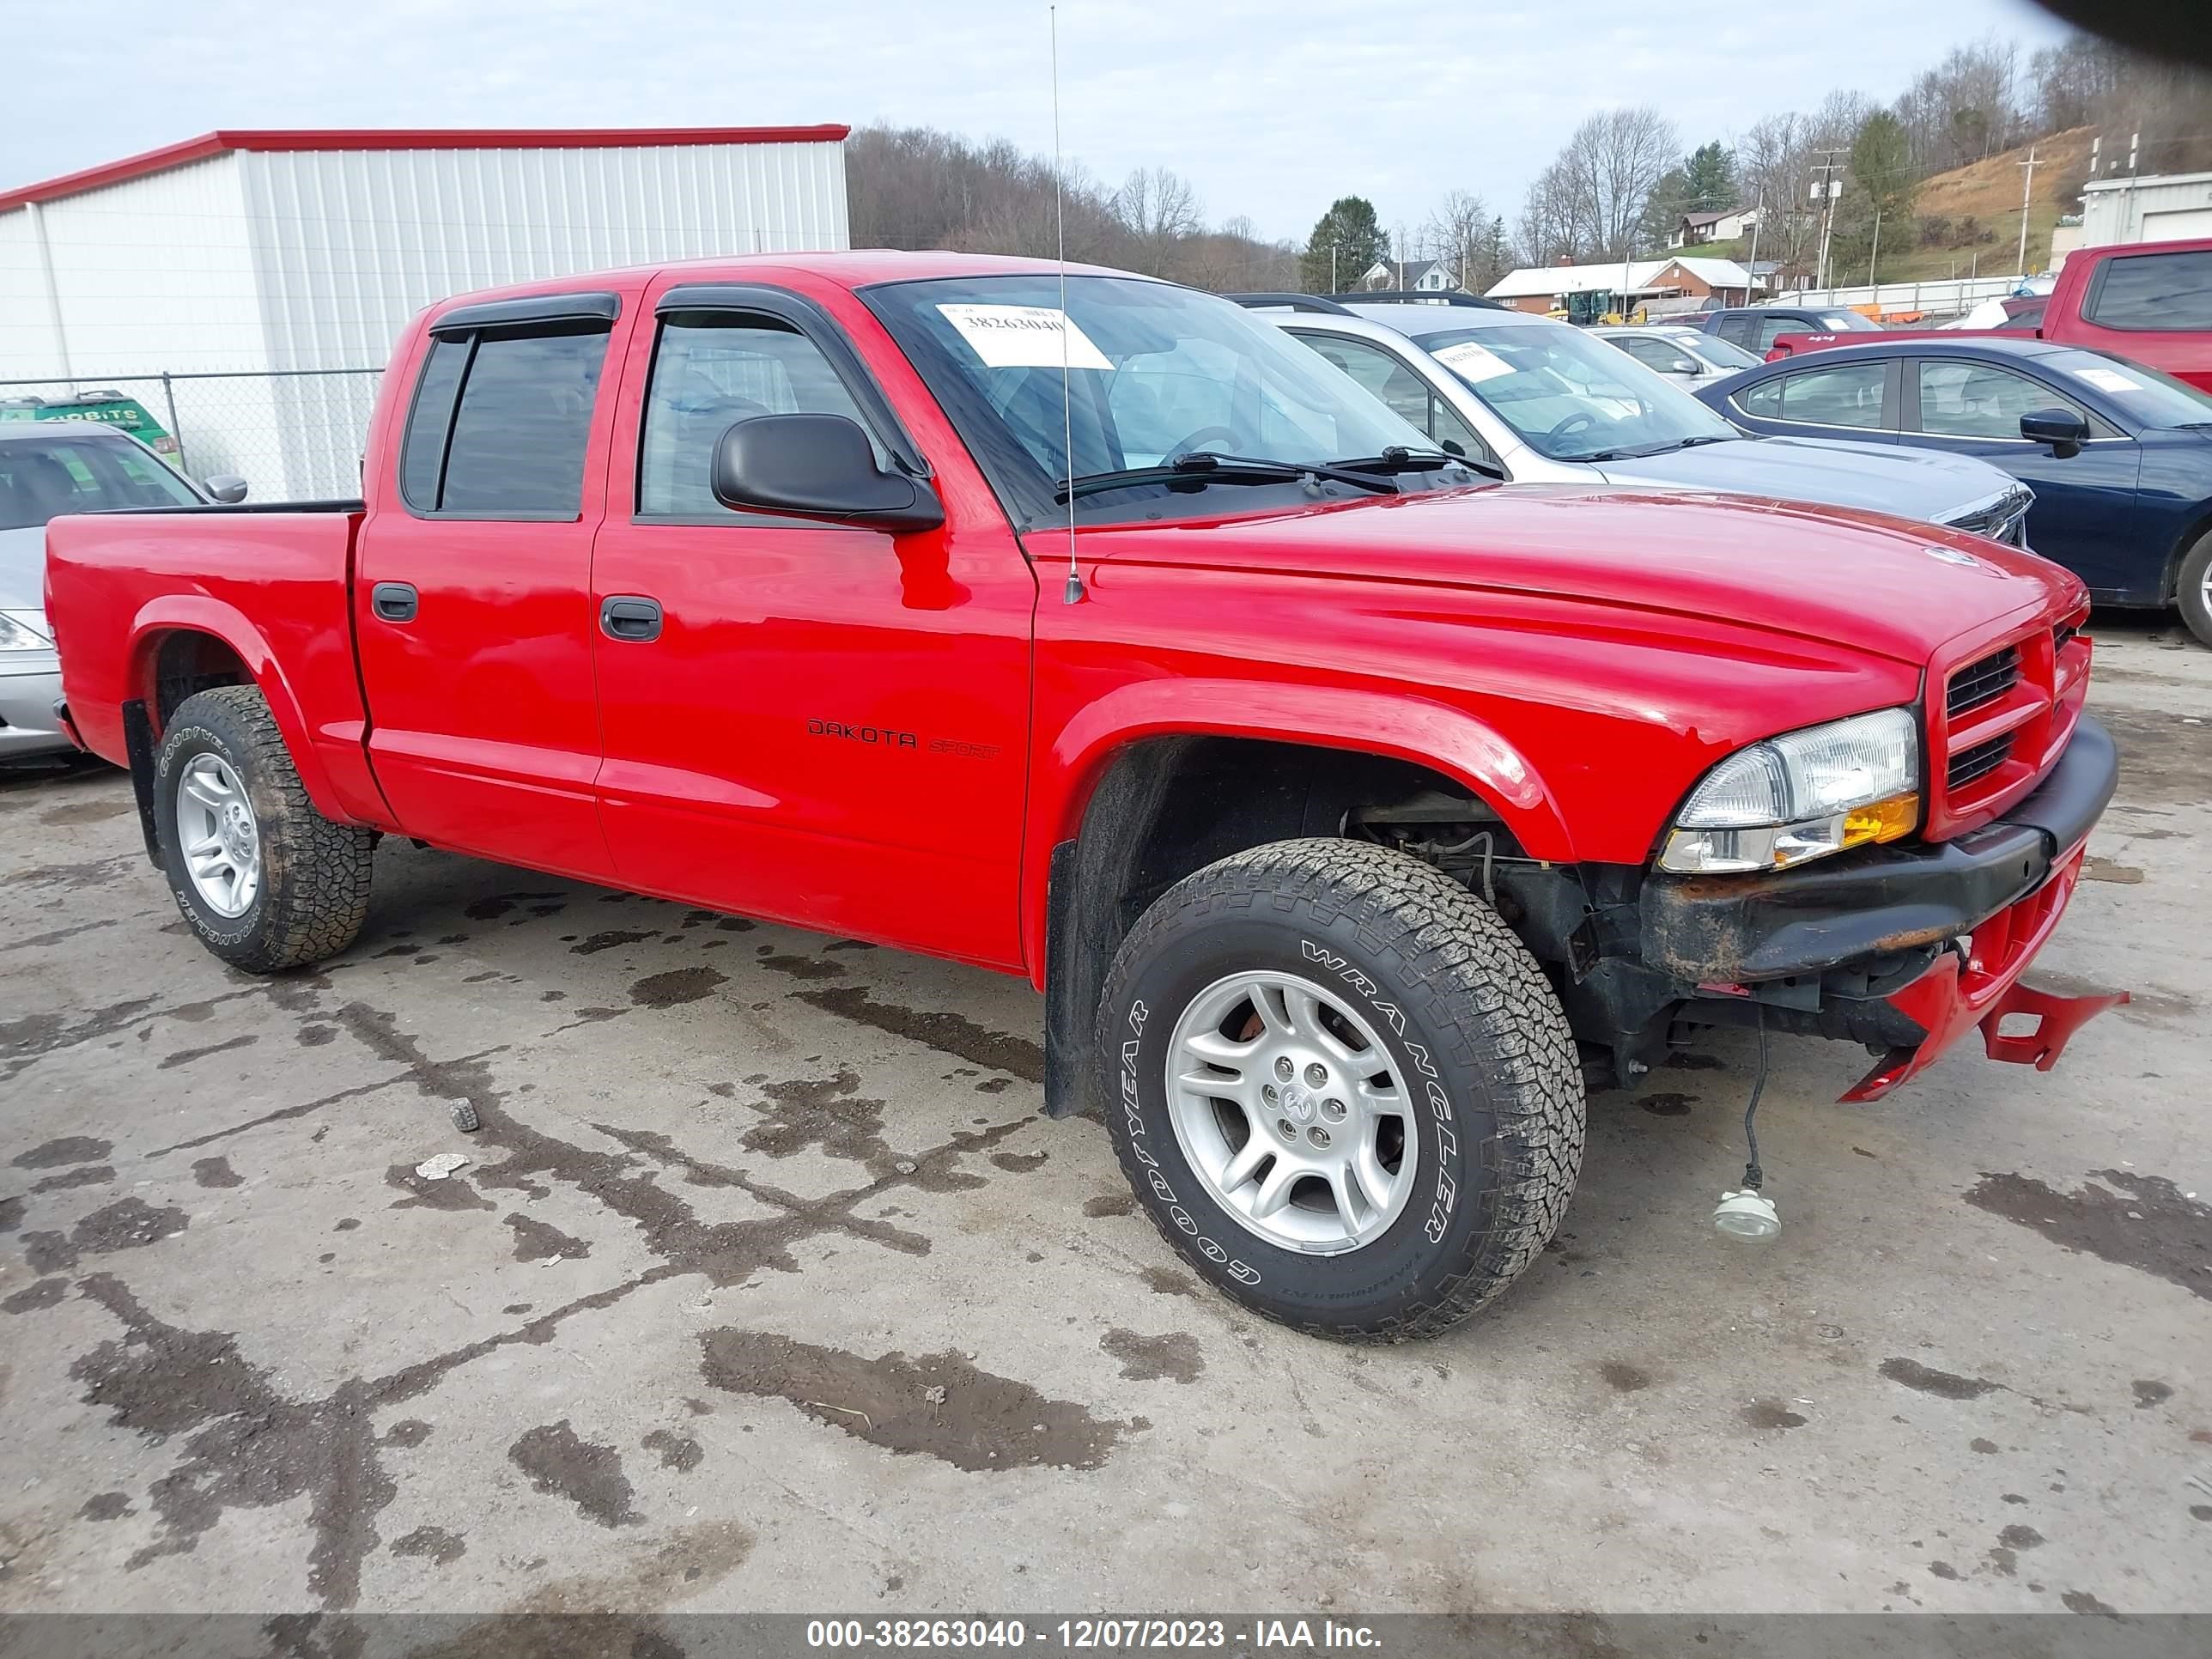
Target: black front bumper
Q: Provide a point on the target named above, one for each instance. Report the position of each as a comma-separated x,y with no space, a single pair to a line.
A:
1713,930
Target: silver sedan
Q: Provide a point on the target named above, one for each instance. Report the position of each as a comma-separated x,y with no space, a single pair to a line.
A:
46,469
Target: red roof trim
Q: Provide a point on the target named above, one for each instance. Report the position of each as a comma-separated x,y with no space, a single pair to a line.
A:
378,138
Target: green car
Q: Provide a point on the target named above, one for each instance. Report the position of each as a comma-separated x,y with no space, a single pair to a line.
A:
109,408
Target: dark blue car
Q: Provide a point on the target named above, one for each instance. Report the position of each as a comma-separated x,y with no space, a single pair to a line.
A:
2120,456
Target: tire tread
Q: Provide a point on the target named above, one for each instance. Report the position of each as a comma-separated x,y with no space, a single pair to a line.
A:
1470,977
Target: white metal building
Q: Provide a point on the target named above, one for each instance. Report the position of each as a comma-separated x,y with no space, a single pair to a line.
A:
2157,208
281,260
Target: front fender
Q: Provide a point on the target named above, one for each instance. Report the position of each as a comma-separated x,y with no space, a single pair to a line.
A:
1402,726
166,614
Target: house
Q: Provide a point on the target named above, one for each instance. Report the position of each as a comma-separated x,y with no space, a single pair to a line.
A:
1713,225
1540,288
1410,276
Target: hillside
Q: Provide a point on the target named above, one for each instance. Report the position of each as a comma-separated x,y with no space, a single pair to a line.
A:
1989,192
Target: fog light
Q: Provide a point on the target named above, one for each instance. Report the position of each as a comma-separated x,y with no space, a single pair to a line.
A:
1746,1214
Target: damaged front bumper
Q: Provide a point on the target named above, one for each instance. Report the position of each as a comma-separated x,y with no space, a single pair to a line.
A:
1936,938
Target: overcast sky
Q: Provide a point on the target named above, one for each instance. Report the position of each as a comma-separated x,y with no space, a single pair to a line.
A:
1272,110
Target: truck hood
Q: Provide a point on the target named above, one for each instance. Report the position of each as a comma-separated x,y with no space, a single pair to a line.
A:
1913,484
1887,586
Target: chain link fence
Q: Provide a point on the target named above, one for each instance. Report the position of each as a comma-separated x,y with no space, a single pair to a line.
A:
293,435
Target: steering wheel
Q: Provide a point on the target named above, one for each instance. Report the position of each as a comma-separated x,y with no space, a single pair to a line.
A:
1205,435
1580,421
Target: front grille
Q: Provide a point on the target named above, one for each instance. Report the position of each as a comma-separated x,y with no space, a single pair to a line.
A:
2062,635
2006,521
1978,762
1983,682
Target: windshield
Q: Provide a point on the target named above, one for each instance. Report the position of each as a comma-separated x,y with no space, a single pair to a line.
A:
2151,397
1848,322
1571,398
42,478
1721,354
1155,372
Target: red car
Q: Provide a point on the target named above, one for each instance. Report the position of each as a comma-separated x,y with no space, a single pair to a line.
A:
2150,302
1343,806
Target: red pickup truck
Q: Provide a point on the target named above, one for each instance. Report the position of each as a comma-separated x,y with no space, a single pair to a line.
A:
2150,302
1343,806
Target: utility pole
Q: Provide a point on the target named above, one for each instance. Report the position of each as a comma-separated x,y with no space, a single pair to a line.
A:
2026,187
1827,188
1334,287
1875,257
1751,264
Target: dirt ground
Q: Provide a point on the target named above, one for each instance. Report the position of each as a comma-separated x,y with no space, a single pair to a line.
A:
767,1288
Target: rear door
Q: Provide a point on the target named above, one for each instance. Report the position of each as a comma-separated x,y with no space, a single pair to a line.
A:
472,586
2085,502
822,724
1831,398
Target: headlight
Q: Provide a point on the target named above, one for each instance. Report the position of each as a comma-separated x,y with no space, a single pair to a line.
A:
24,631
1801,795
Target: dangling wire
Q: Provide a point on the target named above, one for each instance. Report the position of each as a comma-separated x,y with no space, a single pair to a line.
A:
1752,1175
1074,594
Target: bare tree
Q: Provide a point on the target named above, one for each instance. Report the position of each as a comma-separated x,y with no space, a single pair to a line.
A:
1455,232
1611,165
1551,225
1775,160
1965,108
1159,209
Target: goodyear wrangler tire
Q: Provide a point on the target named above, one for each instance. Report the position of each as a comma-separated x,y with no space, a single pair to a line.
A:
265,879
1341,1087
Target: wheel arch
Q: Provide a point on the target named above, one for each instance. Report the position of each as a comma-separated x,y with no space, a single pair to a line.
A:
184,642
1112,777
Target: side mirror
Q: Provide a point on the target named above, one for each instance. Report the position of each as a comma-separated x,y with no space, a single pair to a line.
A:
1683,365
817,466
226,488
2063,429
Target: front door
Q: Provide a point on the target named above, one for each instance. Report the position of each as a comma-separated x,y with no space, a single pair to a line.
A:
472,593
817,723
2085,502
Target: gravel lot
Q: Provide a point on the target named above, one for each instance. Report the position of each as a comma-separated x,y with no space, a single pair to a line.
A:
768,1288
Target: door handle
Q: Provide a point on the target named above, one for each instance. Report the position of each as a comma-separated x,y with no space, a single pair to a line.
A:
630,616
394,602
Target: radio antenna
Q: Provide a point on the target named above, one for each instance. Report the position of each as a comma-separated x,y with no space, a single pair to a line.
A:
1074,592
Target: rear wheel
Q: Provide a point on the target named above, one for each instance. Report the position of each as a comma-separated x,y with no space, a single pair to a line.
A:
1344,1090
265,879
2194,592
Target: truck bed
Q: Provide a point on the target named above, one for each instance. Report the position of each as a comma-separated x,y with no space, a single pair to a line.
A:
144,603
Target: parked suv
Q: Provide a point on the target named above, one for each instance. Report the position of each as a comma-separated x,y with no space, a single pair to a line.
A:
1532,401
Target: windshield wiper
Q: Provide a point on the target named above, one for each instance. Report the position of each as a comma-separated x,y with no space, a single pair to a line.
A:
1198,468
1398,458
1647,453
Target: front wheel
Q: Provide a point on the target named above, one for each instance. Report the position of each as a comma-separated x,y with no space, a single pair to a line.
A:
265,879
1342,1088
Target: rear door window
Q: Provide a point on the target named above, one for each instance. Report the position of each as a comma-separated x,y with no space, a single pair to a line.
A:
499,422
1772,329
1848,394
2147,293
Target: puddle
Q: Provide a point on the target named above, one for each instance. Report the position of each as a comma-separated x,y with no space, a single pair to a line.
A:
936,1406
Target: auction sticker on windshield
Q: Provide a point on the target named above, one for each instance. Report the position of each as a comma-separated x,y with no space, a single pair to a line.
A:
1472,362
1025,337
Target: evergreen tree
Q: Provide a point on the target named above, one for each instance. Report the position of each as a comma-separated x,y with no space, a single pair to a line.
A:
1351,236
1708,178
